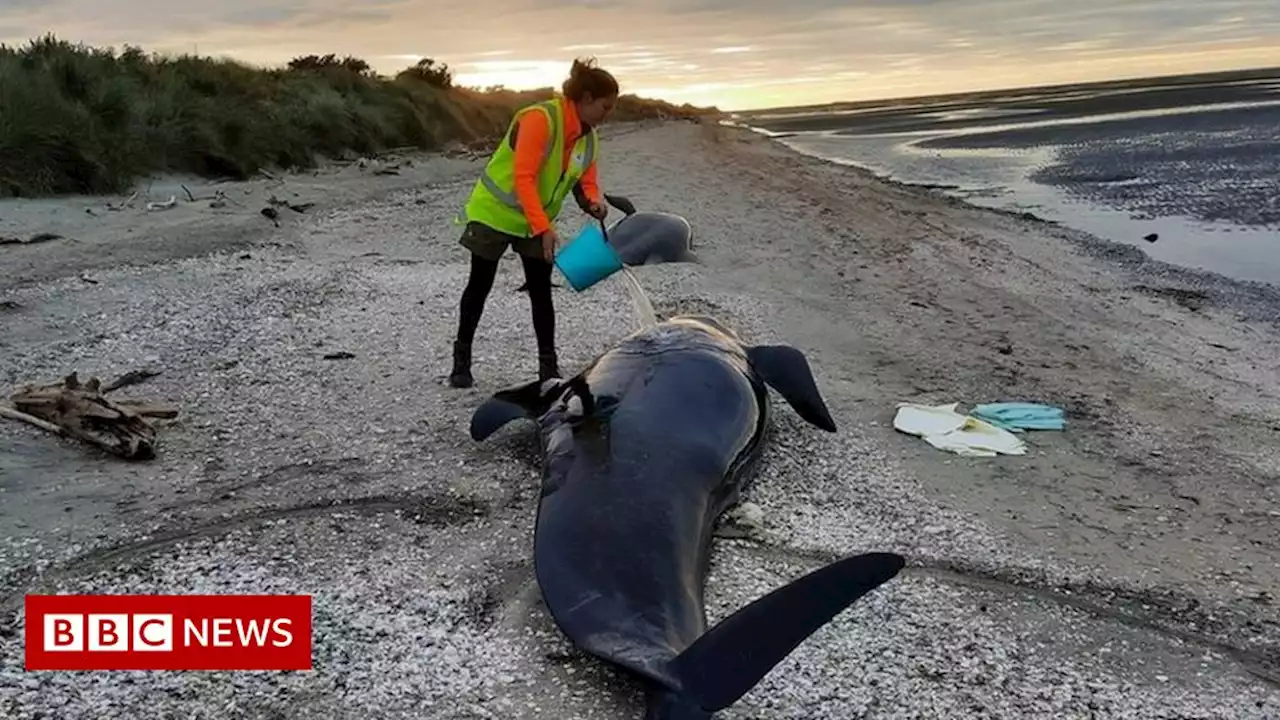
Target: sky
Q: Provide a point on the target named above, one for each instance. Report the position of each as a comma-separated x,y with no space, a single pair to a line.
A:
735,54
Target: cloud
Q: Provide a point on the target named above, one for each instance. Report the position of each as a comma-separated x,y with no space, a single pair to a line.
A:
15,7
140,21
260,14
716,48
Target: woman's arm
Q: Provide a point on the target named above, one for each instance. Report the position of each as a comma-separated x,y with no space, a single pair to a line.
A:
591,184
532,135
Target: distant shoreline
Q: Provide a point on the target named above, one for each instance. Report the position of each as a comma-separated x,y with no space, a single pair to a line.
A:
1250,299
983,97
1001,149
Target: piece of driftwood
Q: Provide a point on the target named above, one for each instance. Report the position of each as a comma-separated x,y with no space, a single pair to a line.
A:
128,203
166,205
476,150
133,377
296,207
33,240
30,419
82,411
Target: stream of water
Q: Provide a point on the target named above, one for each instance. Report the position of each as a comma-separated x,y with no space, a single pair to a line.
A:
639,300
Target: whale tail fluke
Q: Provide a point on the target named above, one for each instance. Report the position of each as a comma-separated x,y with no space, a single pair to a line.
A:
666,705
732,657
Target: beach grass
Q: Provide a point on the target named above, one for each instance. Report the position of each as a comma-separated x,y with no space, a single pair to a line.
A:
79,119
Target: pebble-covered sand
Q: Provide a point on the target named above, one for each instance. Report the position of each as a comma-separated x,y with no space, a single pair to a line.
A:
1076,582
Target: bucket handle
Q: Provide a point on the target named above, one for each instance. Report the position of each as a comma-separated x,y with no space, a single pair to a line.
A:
604,232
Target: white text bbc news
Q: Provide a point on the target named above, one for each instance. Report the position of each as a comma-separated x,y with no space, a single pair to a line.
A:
154,632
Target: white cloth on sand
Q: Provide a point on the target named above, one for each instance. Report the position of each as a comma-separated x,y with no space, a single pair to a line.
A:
944,428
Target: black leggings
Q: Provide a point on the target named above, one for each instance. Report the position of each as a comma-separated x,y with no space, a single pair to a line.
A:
537,274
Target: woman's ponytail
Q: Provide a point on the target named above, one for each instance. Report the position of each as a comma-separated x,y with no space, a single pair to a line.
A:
585,78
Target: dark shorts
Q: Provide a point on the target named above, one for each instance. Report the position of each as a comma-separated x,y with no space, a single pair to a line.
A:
490,244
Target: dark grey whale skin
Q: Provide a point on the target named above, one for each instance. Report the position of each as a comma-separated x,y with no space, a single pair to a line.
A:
642,453
649,238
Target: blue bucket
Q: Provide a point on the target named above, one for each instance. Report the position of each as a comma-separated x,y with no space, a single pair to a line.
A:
588,258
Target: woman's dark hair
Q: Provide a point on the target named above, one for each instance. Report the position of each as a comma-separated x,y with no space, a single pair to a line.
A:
585,77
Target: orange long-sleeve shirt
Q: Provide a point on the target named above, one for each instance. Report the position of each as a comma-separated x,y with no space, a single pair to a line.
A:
531,143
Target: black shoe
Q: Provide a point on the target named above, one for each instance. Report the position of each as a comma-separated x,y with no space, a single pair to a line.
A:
460,377
548,368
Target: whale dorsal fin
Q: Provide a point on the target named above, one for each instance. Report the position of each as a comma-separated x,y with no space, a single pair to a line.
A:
525,401
621,202
726,662
786,370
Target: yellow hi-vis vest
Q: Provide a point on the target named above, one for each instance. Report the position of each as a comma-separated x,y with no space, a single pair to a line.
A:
493,199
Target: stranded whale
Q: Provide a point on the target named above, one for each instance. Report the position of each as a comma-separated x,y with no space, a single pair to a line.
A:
642,452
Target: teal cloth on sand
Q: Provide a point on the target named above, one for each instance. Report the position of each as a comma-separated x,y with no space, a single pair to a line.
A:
1018,416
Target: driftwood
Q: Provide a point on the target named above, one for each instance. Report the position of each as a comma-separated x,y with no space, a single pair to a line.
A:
33,240
383,166
166,205
82,411
474,150
133,377
128,203
296,207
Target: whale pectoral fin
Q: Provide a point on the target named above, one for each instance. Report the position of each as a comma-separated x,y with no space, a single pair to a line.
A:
726,662
525,401
492,415
621,202
786,370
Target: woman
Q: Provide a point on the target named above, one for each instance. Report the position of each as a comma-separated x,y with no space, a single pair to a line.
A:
549,150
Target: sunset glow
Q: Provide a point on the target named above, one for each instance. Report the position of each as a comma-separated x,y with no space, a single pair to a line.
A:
738,55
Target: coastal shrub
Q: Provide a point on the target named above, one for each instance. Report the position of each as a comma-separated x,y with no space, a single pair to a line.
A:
78,119
426,70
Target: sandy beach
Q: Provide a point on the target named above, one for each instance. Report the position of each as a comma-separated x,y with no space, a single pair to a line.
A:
1126,567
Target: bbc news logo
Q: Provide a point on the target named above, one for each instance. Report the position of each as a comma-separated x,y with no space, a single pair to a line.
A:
168,632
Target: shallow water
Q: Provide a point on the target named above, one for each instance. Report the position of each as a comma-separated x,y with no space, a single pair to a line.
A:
1199,172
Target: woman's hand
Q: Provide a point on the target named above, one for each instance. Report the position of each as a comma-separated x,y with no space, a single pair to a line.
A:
598,210
550,241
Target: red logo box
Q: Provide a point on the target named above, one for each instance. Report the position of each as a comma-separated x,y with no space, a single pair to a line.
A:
168,632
